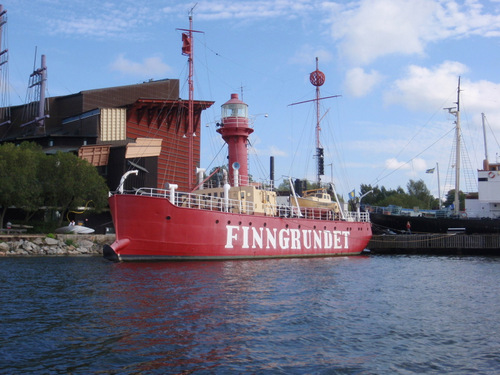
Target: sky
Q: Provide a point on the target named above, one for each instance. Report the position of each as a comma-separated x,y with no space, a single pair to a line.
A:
394,65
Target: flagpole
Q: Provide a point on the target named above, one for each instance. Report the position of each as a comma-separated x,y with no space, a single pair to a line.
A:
439,186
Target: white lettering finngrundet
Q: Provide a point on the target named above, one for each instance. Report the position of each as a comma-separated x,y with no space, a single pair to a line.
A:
294,239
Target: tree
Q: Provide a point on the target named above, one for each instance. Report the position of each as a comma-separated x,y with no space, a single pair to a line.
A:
19,186
71,182
217,176
419,190
417,195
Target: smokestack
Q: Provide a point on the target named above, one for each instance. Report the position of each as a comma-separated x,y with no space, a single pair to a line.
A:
271,167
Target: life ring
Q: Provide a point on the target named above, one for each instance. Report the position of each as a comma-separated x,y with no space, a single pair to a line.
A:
491,175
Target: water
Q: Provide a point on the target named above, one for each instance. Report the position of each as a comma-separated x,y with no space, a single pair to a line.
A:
349,315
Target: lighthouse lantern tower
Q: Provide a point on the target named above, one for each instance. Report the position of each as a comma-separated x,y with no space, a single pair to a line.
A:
235,131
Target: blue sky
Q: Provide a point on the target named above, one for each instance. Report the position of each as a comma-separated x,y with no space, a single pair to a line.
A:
395,64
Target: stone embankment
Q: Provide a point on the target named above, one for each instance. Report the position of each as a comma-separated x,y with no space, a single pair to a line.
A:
62,244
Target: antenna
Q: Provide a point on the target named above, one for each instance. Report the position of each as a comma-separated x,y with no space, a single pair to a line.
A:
191,11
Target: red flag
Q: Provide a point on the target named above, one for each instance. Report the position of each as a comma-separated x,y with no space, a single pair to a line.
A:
186,44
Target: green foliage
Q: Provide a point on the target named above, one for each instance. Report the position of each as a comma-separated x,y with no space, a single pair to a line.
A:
284,186
450,198
31,179
20,186
51,235
216,173
417,195
72,183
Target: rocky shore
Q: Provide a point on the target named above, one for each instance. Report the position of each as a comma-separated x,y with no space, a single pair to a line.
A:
61,245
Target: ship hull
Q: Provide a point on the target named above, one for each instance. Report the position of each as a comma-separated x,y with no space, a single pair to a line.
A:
152,228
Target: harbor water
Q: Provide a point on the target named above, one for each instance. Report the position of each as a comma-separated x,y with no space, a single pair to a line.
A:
346,315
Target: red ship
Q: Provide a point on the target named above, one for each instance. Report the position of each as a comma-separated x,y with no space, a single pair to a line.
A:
239,220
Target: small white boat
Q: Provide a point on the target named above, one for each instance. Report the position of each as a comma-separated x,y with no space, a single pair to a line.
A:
74,229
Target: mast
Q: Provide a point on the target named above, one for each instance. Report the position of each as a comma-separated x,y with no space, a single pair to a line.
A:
190,104
486,159
187,50
439,186
457,170
456,113
4,92
37,86
42,73
317,79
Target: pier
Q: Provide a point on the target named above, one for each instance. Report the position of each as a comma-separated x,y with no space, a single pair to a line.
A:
436,243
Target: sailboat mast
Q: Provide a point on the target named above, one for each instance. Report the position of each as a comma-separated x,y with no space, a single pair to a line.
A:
456,202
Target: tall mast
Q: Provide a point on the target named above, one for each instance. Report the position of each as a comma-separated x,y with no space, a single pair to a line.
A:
37,87
4,92
457,171
187,50
190,104
317,79
456,113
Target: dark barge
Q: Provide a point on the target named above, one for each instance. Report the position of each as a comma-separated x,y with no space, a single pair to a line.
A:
436,244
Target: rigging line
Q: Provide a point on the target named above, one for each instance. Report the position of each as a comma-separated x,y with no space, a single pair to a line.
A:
218,152
449,180
409,161
489,127
258,161
307,136
466,124
467,175
414,136
337,153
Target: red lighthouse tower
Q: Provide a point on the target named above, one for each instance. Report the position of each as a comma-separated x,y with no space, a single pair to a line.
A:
235,132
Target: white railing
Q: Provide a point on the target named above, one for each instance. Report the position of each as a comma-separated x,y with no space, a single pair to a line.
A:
206,202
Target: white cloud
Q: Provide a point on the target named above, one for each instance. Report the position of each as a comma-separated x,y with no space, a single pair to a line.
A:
359,83
426,88
370,29
394,164
430,89
413,167
255,9
149,67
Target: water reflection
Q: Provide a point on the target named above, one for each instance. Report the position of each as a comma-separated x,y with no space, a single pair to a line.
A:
192,314
380,315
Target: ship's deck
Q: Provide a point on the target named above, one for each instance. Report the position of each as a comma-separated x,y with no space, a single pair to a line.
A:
205,202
